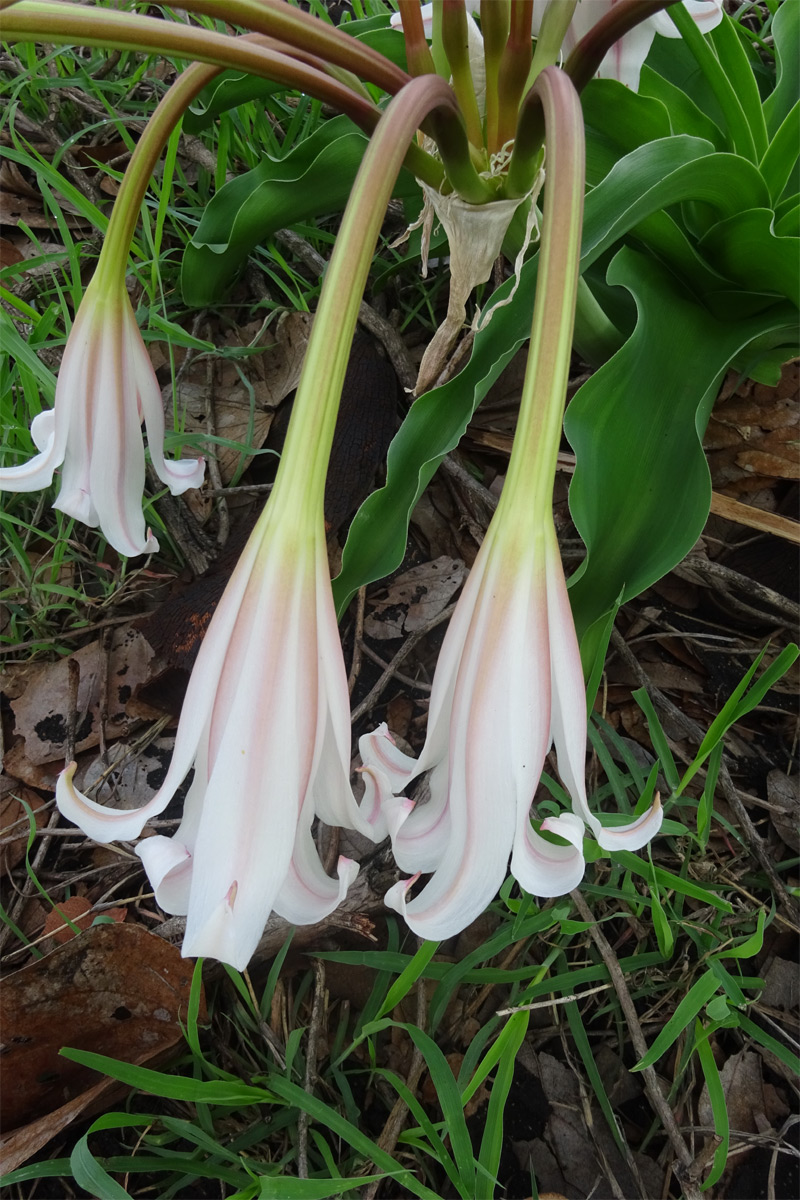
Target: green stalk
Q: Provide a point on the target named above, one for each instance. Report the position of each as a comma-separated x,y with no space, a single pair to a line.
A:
514,68
494,25
125,213
288,24
304,461
418,56
552,31
455,41
531,470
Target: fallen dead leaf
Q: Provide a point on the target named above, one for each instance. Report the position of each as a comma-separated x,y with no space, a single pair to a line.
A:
75,910
41,712
116,990
414,598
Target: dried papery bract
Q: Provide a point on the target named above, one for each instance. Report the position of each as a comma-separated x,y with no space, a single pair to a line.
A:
508,681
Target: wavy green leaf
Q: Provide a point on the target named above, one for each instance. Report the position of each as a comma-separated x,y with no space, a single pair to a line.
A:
313,179
641,492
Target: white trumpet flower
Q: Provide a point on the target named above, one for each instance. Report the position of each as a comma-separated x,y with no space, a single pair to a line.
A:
265,724
106,387
508,683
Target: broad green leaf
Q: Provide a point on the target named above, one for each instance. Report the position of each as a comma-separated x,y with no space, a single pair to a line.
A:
285,1187
88,1172
736,66
227,91
779,165
617,121
641,491
684,114
314,178
786,33
745,249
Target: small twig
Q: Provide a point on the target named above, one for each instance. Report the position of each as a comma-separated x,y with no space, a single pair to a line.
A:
73,683
311,1065
212,462
684,1168
358,639
411,641
705,571
398,675
509,1012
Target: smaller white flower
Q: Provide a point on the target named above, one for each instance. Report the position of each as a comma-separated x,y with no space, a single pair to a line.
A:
106,387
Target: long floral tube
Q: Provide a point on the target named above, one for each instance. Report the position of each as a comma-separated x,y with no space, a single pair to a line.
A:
509,681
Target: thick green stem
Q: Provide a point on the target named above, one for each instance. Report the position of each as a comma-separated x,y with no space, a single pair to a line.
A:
418,56
531,470
494,25
555,23
113,259
291,25
300,482
455,40
514,67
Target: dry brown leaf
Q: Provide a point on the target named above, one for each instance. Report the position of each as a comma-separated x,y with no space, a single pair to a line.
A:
42,710
783,794
75,910
244,414
414,598
116,990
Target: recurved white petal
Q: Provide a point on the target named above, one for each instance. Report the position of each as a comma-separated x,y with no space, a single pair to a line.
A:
545,869
178,474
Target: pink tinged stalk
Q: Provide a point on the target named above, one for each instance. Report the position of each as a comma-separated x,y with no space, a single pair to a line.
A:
508,682
106,386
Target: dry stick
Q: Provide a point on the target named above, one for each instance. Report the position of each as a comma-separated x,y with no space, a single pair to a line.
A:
369,701
214,476
696,569
358,639
693,730
311,1066
396,1119
398,675
683,1171
377,325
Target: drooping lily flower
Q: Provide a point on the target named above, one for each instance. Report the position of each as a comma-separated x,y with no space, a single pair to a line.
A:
106,387
265,723
508,681
266,718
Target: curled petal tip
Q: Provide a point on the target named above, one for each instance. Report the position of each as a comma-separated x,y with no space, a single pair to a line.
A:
635,835
396,896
